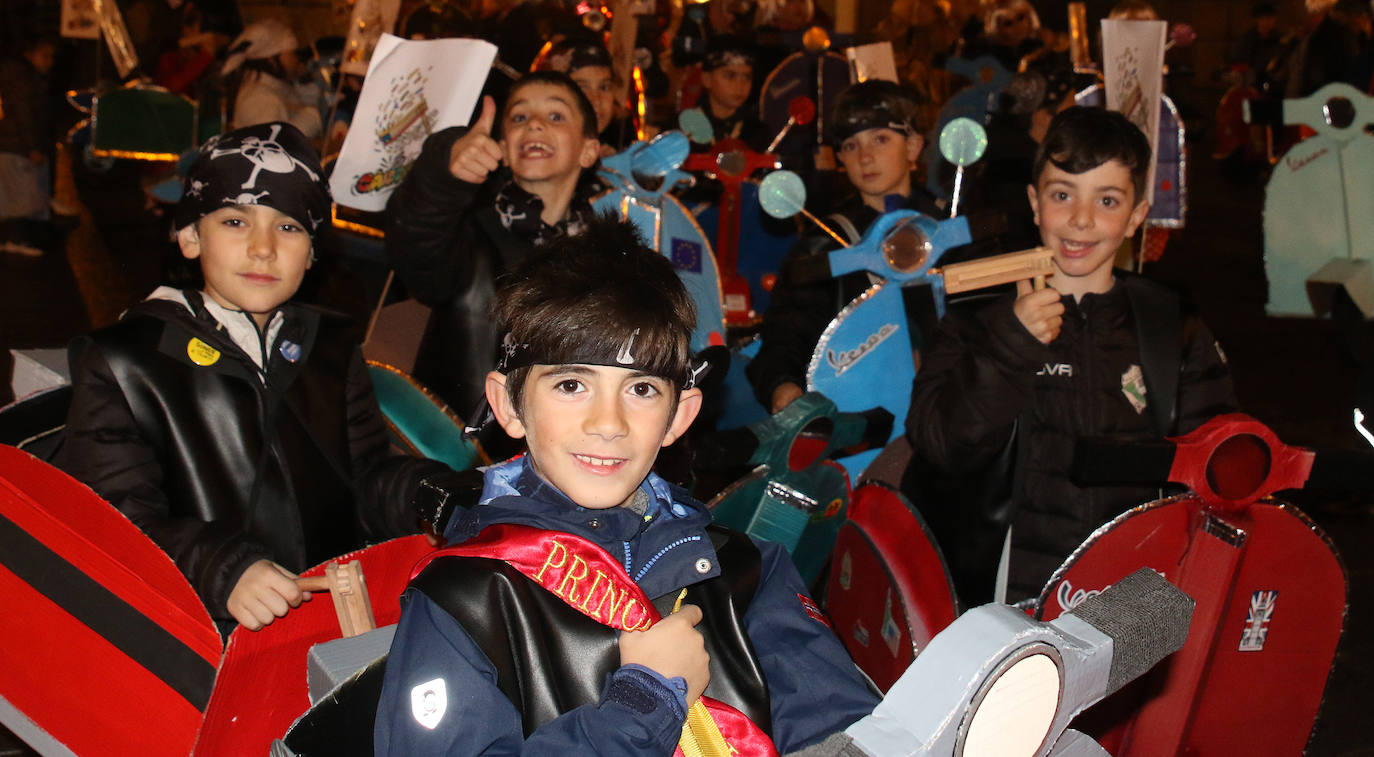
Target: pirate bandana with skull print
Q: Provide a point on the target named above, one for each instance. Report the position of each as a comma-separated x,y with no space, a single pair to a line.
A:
269,164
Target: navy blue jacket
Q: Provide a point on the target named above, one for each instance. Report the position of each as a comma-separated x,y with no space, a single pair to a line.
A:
814,688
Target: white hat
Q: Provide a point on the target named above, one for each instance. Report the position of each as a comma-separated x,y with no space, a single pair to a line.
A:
260,39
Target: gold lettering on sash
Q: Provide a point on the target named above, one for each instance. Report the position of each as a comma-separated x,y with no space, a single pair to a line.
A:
548,561
594,611
641,624
615,602
572,577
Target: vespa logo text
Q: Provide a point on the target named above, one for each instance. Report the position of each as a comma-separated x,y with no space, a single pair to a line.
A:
843,361
1069,597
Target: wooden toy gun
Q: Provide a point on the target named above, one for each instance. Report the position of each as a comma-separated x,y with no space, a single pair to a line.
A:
1034,264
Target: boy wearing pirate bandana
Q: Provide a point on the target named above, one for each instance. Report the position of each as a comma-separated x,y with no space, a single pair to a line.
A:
478,200
237,429
548,626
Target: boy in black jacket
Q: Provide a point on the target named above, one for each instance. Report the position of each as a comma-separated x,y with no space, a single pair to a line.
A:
238,429
1050,366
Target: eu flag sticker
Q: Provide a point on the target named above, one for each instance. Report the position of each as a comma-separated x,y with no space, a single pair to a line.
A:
686,255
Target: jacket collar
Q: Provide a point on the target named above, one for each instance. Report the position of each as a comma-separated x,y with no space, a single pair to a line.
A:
662,550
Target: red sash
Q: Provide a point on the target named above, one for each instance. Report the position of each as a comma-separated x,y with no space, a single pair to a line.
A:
589,580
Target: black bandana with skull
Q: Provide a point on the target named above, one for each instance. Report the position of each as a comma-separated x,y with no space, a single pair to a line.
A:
269,164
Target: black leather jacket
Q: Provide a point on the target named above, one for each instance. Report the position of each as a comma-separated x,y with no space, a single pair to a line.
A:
221,468
550,658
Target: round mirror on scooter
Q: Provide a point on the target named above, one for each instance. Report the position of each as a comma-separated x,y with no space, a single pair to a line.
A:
1239,466
664,153
907,248
801,109
963,141
782,194
1338,112
696,126
816,40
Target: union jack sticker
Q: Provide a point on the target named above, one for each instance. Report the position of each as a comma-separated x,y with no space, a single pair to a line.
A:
1257,622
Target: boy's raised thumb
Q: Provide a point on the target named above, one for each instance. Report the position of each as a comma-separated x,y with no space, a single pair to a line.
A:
488,117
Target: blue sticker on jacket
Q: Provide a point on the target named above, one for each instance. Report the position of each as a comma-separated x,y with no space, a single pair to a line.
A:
290,350
686,255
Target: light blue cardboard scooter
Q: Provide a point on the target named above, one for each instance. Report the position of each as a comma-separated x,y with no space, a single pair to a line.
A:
667,226
1318,235
864,358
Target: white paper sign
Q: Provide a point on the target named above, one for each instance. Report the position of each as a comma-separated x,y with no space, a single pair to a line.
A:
872,61
80,19
370,20
413,89
1133,66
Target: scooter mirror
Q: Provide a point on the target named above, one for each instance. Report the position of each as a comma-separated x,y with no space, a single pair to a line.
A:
696,126
907,248
732,163
816,40
594,20
802,110
1339,112
963,141
664,153
1239,466
782,194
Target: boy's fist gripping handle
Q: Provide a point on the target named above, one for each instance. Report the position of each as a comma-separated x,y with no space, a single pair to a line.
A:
1034,264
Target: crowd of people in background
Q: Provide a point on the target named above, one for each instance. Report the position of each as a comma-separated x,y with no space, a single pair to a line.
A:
512,191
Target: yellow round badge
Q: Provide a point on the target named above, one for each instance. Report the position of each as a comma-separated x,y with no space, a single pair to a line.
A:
201,353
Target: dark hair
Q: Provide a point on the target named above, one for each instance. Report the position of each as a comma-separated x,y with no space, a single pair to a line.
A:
583,292
872,103
1263,10
1081,138
557,79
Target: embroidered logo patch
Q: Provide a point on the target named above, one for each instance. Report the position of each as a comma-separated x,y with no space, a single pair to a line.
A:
428,702
1133,386
201,353
290,350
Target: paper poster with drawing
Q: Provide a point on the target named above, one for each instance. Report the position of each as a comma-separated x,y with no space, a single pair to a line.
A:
412,89
1133,66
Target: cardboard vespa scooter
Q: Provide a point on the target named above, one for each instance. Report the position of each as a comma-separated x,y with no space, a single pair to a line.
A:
865,356
1271,590
1317,240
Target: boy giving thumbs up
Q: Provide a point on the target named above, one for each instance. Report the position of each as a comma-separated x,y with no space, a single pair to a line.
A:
478,200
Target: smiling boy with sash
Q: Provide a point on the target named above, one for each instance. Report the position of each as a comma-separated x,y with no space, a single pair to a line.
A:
554,623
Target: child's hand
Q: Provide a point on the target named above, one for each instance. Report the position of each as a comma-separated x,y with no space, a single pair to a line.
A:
264,593
785,394
1039,310
476,154
672,647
